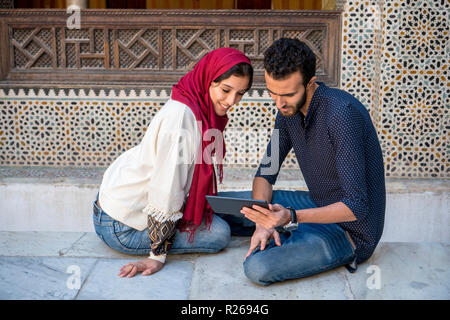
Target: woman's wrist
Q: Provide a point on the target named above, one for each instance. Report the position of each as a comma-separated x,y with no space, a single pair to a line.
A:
161,258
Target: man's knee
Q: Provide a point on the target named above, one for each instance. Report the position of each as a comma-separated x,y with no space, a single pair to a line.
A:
257,270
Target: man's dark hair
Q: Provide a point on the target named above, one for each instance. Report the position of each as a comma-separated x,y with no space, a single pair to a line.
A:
286,56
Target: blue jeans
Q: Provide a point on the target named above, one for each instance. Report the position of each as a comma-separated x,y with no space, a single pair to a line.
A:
128,240
310,249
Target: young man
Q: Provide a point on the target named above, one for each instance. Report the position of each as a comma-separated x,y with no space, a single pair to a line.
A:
340,220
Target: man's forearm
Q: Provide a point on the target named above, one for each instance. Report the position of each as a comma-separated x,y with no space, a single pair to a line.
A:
262,189
333,213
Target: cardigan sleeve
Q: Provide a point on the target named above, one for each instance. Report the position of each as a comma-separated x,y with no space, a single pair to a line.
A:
173,150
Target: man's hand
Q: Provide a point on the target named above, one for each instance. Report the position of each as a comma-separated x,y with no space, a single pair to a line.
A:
275,216
260,236
146,266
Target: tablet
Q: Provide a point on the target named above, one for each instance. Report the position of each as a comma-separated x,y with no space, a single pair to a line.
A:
233,206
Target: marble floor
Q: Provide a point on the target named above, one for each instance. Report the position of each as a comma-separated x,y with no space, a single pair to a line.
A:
77,265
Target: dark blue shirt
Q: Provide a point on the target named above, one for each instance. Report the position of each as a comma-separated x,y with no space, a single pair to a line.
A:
340,157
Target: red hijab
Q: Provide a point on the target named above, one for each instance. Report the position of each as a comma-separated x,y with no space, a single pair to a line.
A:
193,90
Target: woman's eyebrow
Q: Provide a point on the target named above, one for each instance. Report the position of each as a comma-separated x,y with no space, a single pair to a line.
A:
230,86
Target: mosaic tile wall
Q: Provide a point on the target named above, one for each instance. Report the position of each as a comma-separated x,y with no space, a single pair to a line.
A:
395,59
90,128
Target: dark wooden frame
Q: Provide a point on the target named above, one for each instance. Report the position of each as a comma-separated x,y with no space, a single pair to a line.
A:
108,19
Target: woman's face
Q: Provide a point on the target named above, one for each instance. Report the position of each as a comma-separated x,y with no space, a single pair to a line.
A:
228,92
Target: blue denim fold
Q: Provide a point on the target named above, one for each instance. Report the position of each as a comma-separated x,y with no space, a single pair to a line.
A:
128,240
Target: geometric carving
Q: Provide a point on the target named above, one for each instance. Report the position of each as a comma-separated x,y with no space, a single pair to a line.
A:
192,45
57,124
395,60
157,46
137,49
84,49
140,48
90,130
33,48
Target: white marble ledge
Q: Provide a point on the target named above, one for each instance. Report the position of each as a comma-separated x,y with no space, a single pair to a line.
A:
234,179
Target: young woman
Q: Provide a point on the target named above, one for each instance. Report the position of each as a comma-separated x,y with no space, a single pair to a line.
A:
152,197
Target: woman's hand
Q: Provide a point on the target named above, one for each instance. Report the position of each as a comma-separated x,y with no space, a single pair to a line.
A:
146,266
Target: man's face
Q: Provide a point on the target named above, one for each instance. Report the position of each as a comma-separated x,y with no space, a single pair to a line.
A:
288,93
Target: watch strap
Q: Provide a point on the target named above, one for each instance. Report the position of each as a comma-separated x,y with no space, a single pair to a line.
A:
293,214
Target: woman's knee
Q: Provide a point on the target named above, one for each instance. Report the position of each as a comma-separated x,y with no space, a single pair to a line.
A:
221,233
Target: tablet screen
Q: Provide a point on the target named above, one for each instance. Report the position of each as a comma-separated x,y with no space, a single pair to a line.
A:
233,206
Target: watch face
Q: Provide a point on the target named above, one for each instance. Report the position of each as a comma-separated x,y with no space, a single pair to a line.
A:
291,226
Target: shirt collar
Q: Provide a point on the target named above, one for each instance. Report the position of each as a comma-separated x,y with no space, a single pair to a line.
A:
313,105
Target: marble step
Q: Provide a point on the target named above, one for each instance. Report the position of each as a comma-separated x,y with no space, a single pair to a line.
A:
60,199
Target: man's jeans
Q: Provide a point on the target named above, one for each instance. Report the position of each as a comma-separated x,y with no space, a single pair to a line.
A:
310,249
125,239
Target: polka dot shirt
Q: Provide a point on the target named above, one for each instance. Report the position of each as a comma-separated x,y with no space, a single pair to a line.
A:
340,157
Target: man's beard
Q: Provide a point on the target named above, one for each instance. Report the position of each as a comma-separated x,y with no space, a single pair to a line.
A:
293,110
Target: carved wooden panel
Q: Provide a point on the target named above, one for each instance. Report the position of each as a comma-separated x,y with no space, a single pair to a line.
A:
7,4
153,46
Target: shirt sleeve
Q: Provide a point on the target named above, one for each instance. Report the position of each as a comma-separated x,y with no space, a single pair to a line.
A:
347,133
278,148
174,146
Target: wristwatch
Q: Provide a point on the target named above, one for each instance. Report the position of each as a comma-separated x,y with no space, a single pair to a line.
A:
293,224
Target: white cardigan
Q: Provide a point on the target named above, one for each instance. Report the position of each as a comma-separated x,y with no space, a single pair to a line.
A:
154,177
